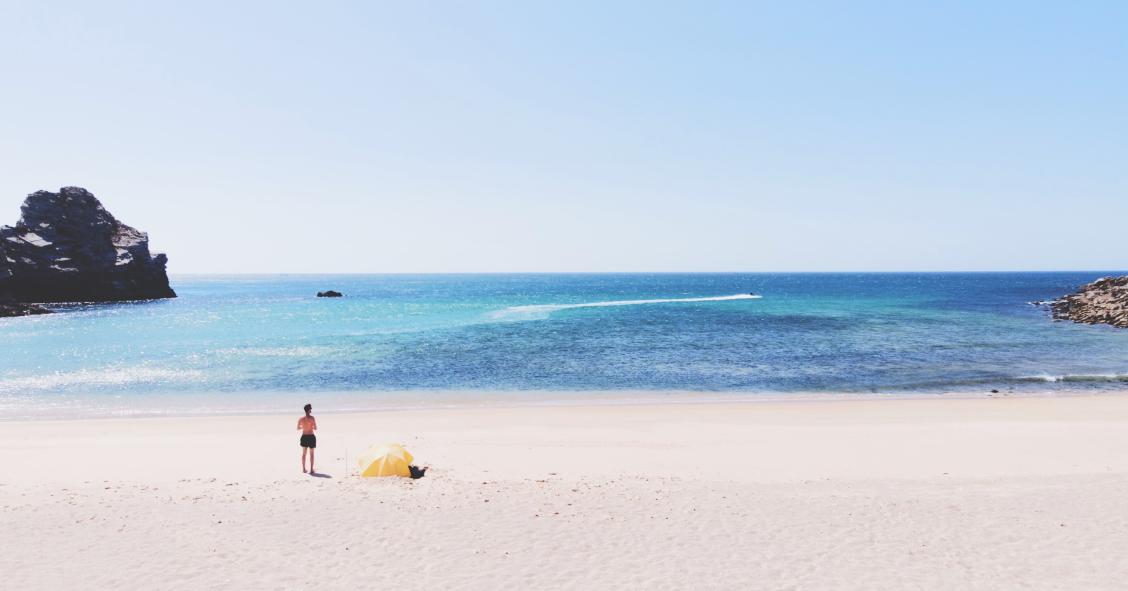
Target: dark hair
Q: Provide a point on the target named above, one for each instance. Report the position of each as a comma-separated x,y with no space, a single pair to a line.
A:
308,408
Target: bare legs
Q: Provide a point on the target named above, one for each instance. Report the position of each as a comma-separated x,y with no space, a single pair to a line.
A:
312,453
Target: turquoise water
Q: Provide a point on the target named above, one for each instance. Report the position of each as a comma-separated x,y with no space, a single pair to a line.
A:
251,343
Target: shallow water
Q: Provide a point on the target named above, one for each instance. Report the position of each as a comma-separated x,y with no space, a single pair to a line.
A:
251,342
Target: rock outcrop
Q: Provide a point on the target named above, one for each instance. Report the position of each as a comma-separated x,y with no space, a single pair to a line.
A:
13,308
329,294
67,248
1104,301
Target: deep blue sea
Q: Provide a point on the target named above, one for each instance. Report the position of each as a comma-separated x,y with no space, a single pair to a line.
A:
259,343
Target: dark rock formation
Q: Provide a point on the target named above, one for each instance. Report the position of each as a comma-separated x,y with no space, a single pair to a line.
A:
1104,301
67,248
13,308
329,294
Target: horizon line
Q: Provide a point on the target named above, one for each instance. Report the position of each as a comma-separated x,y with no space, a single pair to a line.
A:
855,272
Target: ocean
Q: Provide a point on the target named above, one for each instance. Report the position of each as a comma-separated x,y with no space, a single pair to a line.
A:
232,344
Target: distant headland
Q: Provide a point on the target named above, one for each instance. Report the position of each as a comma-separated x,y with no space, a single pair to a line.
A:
1104,301
67,248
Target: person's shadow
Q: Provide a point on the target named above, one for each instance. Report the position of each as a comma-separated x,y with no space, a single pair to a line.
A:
319,475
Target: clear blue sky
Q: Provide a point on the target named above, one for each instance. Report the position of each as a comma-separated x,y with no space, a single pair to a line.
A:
580,136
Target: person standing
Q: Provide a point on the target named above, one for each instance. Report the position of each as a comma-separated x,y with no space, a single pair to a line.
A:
308,425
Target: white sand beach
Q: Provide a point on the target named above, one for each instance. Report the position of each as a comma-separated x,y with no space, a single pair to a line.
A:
988,493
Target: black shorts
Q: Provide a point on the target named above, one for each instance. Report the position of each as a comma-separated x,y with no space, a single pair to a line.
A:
309,441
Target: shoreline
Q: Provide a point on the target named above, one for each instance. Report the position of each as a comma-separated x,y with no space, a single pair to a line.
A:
412,400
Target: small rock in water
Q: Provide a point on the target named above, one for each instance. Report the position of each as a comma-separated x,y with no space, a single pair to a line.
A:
329,294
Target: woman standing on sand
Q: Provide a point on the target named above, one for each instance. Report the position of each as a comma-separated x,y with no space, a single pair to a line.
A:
308,425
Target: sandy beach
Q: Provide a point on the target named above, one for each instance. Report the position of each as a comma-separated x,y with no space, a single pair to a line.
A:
907,494
667,296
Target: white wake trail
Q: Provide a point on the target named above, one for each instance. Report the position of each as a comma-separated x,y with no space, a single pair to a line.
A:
541,310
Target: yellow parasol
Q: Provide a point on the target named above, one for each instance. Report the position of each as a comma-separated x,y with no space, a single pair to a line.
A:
389,459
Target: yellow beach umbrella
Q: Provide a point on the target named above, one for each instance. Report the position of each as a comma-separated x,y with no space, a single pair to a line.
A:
389,459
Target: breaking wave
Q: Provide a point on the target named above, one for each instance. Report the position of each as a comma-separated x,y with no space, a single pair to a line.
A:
543,310
300,351
120,376
1111,377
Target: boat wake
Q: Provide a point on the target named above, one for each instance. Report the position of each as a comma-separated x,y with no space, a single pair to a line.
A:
538,311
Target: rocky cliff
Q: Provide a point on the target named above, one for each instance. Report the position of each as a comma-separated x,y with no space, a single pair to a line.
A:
1104,301
67,248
